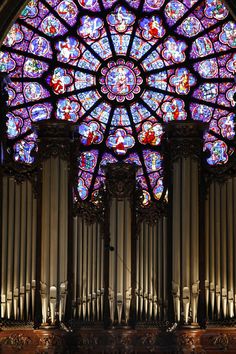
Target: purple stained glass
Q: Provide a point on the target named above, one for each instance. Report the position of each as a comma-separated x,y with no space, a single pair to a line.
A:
14,124
120,80
90,133
151,133
68,110
88,160
153,160
218,150
68,10
151,27
120,141
118,71
121,19
158,189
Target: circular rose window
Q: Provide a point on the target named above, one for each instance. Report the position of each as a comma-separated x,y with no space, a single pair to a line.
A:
120,80
119,71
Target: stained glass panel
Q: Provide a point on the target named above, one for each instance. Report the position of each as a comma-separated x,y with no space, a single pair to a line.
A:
118,70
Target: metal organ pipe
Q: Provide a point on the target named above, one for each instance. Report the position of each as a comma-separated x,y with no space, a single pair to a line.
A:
63,238
212,252
230,247
151,298
158,249
10,248
140,260
164,264
45,239
23,248
88,263
176,239
18,250
207,255
185,241
54,238
120,259
194,236
234,238
220,248
185,238
75,263
29,255
112,261
127,257
32,266
218,259
5,189
223,248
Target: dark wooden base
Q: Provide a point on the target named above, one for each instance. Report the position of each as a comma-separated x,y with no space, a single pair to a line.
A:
118,341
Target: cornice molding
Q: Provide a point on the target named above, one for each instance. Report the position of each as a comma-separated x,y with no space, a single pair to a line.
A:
54,139
184,139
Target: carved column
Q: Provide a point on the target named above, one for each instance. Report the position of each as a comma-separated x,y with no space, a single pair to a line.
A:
185,147
120,244
54,141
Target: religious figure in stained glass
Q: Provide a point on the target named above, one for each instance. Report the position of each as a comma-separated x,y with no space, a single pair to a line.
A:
118,70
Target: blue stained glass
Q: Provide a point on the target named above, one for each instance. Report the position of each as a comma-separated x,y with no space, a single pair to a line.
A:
102,47
120,117
118,71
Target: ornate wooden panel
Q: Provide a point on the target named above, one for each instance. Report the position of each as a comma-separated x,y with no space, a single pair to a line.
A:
118,341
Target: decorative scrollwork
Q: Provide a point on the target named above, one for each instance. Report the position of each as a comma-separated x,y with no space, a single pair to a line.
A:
185,341
90,212
185,139
120,181
152,213
54,139
51,341
220,341
88,342
16,340
220,173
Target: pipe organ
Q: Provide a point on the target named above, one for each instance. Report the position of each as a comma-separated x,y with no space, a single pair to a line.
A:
88,257
119,270
120,259
54,238
185,285
18,250
185,217
120,266
220,241
151,266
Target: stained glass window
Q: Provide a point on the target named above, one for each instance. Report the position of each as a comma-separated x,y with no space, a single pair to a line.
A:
118,70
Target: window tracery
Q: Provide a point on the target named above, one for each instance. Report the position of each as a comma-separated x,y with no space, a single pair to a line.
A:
118,70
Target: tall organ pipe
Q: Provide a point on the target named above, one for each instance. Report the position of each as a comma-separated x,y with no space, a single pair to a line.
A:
18,250
151,297
220,248
88,279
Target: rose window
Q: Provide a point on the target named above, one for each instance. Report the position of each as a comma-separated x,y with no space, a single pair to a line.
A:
118,70
120,80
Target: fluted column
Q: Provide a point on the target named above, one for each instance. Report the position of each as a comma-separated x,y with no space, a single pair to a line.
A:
185,146
54,151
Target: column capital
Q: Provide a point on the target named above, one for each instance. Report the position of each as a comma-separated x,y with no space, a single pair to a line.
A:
185,138
54,138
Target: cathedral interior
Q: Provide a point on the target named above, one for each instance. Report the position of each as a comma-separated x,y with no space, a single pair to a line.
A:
117,176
